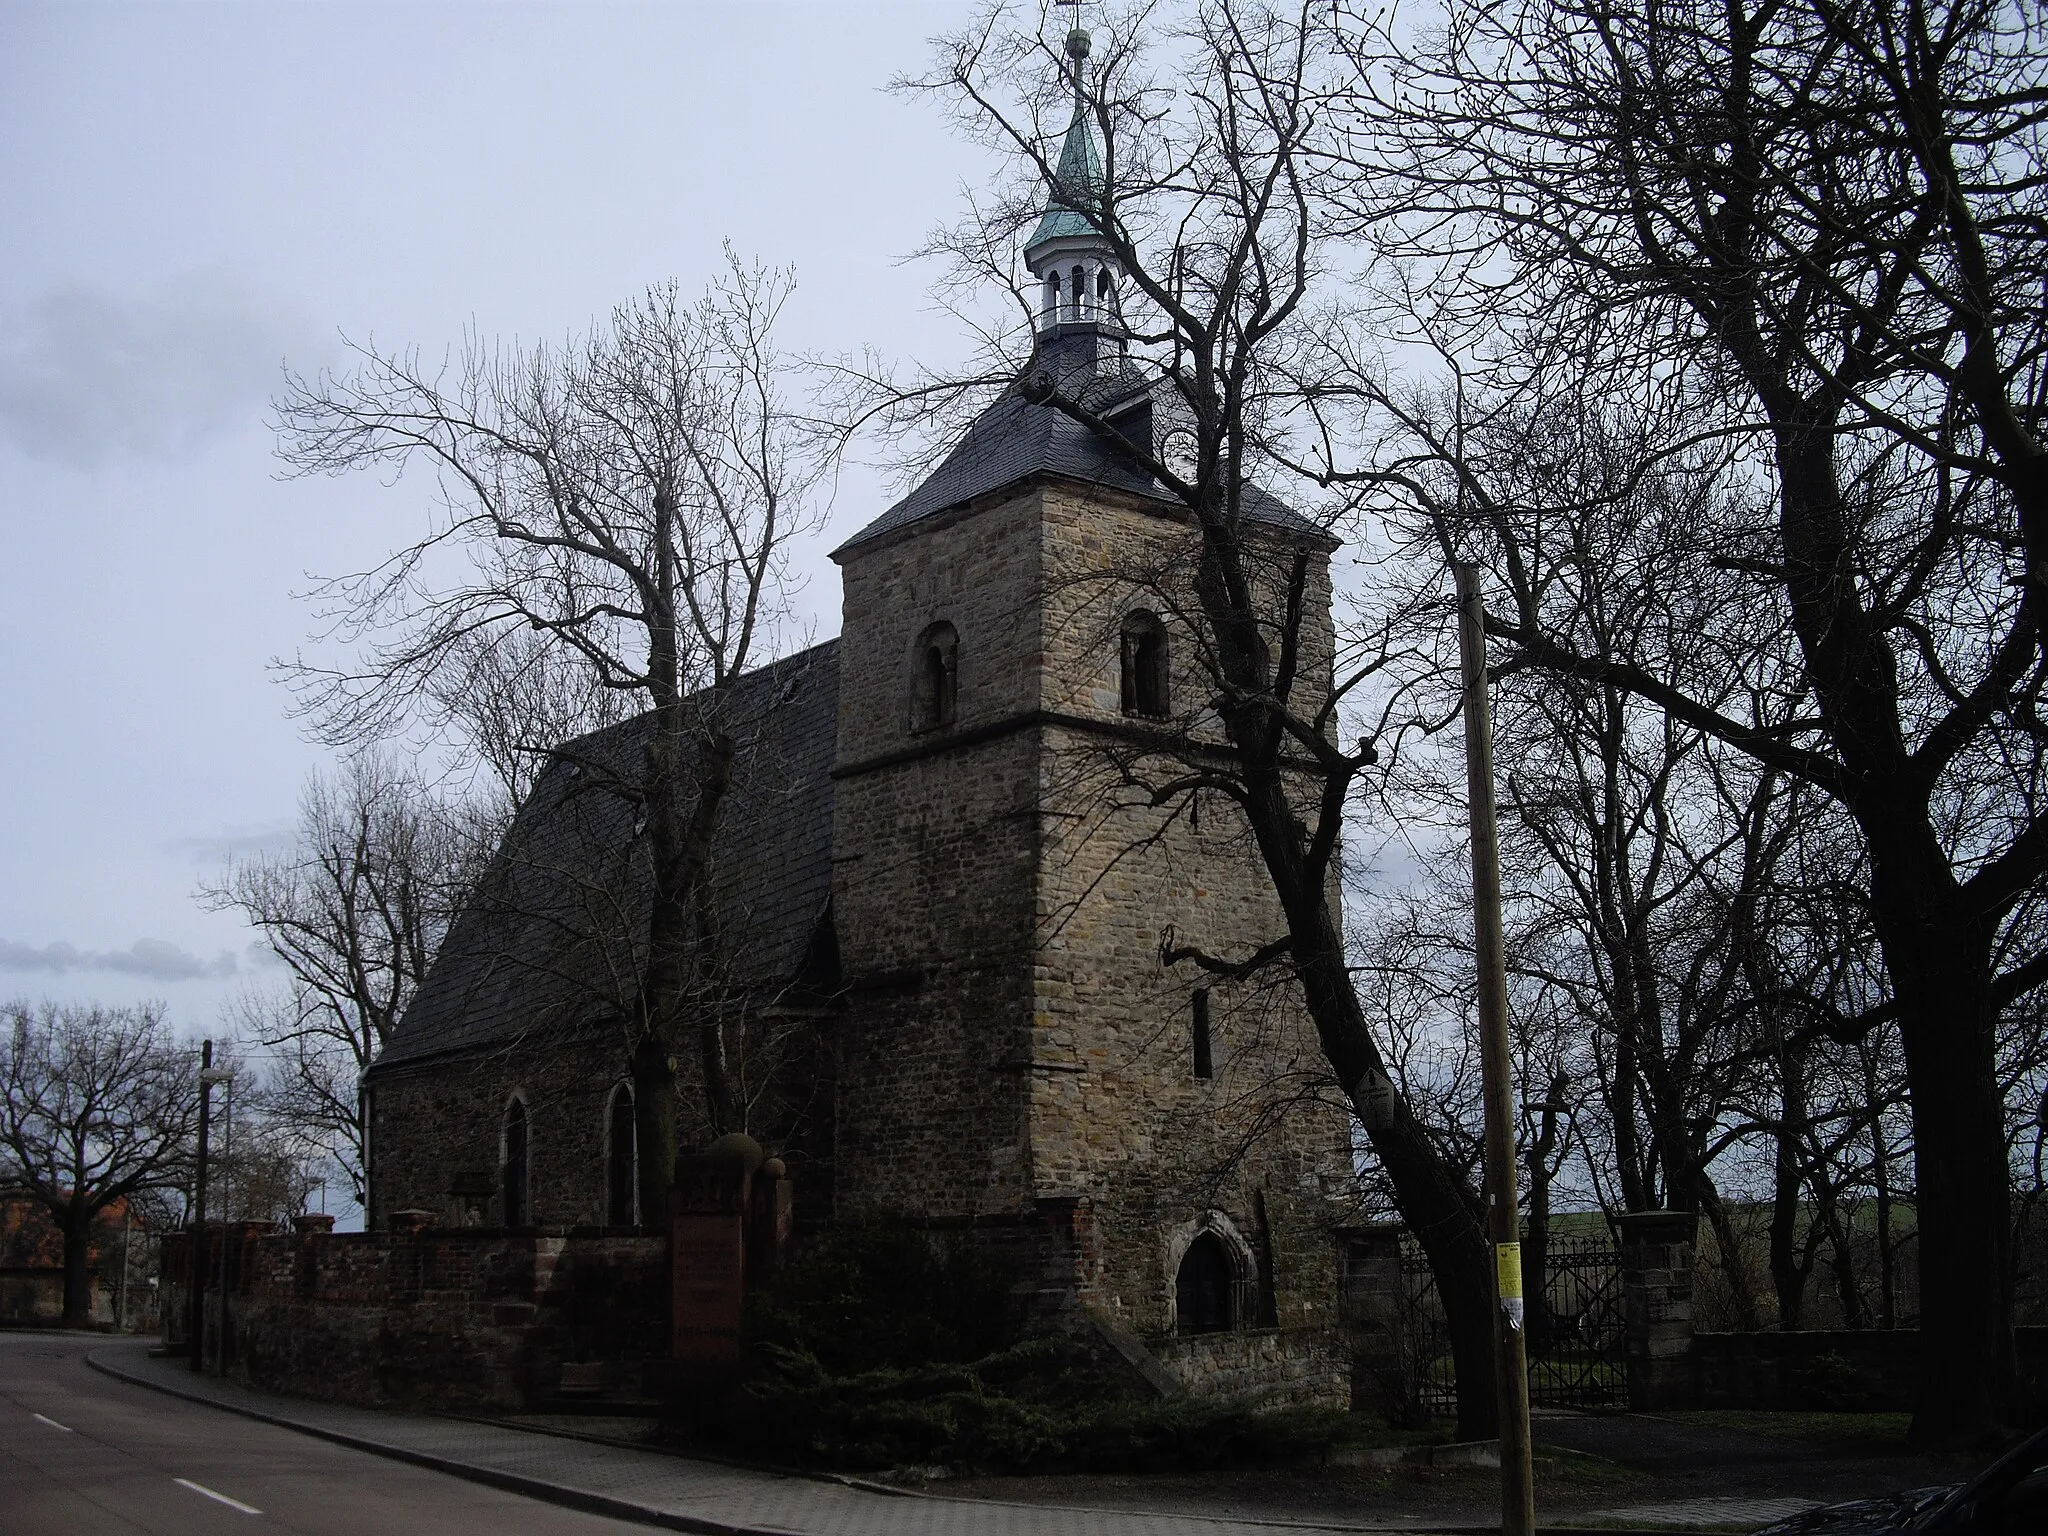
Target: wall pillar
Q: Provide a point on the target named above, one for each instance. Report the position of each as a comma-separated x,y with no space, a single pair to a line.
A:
1369,1307
1656,1281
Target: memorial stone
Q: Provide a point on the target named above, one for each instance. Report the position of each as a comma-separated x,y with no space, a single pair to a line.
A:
708,1209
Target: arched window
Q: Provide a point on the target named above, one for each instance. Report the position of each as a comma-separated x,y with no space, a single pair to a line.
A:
517,1212
938,678
1104,288
621,1158
1080,300
1204,1288
1144,667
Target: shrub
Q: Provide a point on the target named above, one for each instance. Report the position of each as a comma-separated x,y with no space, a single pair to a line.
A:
888,1347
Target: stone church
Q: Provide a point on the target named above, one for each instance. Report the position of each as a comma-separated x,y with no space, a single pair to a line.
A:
946,907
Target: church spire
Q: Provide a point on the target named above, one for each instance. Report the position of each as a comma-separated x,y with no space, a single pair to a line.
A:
1072,260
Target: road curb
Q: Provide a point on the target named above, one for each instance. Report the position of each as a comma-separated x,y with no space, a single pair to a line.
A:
510,1482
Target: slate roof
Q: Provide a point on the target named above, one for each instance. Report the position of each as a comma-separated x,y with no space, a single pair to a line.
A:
554,938
1014,439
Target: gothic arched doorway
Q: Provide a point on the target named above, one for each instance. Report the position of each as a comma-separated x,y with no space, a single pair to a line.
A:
1203,1289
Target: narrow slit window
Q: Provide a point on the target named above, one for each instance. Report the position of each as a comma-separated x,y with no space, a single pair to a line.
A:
938,678
1144,682
517,1212
1205,1060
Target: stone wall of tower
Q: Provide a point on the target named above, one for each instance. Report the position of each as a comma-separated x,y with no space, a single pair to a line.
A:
1013,1044
1255,1151
935,838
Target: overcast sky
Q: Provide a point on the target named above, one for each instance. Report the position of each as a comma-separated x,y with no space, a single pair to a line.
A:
191,196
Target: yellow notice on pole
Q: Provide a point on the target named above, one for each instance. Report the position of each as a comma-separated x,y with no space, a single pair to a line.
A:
1507,1270
1507,1261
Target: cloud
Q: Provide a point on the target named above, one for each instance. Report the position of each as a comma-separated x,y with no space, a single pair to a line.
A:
259,956
232,843
88,375
153,959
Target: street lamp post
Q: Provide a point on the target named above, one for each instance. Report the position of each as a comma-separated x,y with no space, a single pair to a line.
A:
209,1074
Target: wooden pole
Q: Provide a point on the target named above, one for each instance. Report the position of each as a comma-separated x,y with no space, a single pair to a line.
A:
1503,1208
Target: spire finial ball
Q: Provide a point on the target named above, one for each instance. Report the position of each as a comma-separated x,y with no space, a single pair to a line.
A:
1078,44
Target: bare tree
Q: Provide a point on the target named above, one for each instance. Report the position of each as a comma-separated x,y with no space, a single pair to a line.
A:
1811,233
511,700
354,911
100,1106
1204,130
629,497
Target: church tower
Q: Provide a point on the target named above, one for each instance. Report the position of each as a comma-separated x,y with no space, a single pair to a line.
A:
1014,1061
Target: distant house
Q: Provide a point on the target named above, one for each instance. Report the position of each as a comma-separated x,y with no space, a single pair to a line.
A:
32,1266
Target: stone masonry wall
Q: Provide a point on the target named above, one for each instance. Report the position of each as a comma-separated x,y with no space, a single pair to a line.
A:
453,1319
1251,1152
1293,1365
1043,1053
932,862
440,1124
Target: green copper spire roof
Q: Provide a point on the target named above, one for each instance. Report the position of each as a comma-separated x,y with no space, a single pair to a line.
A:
1079,178
1077,181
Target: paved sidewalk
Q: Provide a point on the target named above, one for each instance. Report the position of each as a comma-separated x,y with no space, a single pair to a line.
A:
658,1489
1706,1514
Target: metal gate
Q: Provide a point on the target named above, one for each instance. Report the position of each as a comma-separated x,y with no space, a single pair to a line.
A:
1427,1374
1578,1342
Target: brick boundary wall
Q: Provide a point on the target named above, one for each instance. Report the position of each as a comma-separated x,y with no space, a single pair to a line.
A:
472,1318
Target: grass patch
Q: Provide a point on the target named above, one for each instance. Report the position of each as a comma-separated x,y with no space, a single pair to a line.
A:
1559,1468
1874,1433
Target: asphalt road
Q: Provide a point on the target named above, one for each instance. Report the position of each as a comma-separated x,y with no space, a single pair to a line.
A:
80,1453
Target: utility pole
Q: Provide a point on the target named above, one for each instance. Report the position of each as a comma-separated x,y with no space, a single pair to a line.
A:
1503,1205
195,1266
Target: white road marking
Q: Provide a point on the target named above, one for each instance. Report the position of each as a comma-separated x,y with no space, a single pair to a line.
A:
247,1509
53,1423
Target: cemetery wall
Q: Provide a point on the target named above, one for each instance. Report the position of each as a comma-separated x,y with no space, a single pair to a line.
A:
473,1318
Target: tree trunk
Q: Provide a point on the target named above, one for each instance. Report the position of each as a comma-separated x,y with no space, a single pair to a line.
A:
76,1221
1842,1261
1941,971
654,1127
1536,1241
1729,1248
1435,1201
1937,951
682,957
1440,1210
1788,1274
1881,1176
